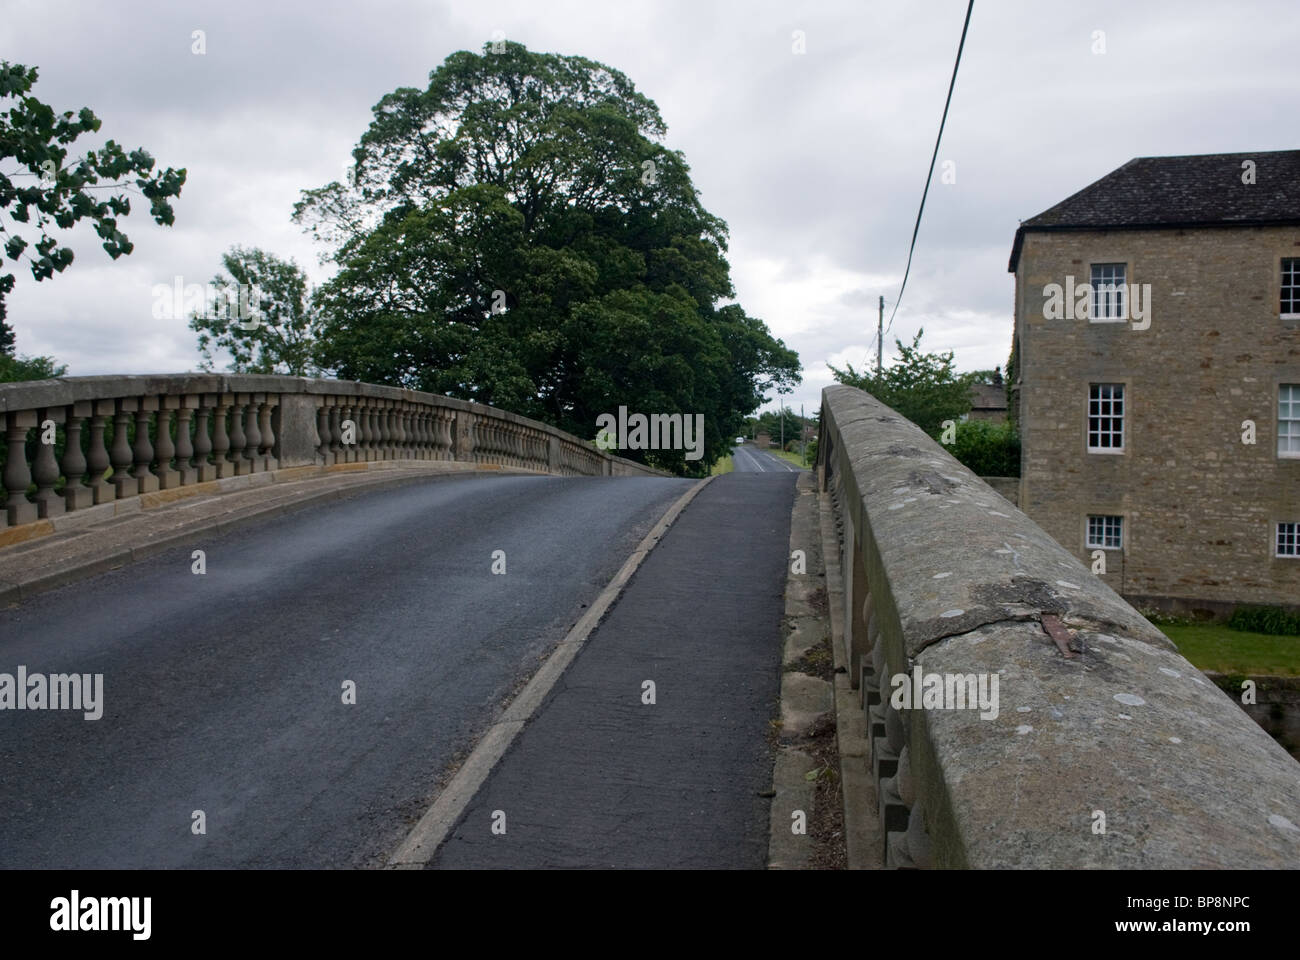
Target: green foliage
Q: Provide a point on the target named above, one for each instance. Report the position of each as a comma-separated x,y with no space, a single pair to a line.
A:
989,449
17,369
1267,620
923,387
1013,394
280,336
517,234
770,422
59,192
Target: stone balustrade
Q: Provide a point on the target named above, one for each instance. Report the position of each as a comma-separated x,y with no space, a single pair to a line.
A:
1106,748
179,430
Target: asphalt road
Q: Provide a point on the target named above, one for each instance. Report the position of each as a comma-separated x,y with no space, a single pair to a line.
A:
601,776
750,459
223,691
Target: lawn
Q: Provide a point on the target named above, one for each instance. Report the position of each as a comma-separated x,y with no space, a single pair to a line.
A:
1212,646
723,465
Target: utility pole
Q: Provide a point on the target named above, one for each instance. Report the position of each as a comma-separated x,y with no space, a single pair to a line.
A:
803,437
880,334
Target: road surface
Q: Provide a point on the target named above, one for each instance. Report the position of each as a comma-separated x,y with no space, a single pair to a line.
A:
750,459
224,691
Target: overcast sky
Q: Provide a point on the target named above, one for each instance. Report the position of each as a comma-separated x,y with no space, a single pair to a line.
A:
815,160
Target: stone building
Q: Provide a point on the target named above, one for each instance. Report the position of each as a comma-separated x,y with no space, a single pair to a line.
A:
988,401
1157,336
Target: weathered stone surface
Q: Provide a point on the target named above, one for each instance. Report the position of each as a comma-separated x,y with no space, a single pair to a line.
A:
1182,775
297,437
1123,726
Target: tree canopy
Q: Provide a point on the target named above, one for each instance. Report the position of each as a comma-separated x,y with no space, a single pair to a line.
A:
517,234
59,192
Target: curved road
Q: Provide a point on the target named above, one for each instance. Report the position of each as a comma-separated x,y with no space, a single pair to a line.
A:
223,691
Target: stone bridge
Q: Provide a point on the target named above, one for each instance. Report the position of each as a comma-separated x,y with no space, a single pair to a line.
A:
1007,708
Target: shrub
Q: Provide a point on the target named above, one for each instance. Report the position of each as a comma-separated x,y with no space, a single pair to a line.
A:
1269,620
989,449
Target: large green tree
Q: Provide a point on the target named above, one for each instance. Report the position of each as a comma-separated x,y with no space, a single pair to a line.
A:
59,192
517,234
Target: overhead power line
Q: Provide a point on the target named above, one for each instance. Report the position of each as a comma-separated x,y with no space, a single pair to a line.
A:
916,229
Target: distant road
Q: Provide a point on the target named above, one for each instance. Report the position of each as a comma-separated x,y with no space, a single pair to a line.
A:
750,459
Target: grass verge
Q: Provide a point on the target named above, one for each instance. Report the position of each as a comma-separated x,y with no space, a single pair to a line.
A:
793,457
1213,646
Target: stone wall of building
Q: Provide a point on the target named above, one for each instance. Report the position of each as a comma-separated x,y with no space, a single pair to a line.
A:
1199,505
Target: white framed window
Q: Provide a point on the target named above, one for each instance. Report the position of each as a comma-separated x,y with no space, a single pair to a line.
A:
1288,540
1106,418
1290,300
1288,420
1108,291
1105,532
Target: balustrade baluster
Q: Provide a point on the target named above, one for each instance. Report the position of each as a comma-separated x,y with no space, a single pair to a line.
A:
18,475
204,443
372,426
325,449
76,495
417,433
266,449
364,431
238,465
124,485
187,472
347,414
164,449
97,457
144,410
45,470
395,432
252,461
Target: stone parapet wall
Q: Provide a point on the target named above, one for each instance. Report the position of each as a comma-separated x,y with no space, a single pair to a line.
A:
1104,748
194,428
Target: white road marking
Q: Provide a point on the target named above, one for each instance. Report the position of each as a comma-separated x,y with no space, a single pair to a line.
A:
424,839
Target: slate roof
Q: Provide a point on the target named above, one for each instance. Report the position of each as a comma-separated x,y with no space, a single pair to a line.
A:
1199,190
987,396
